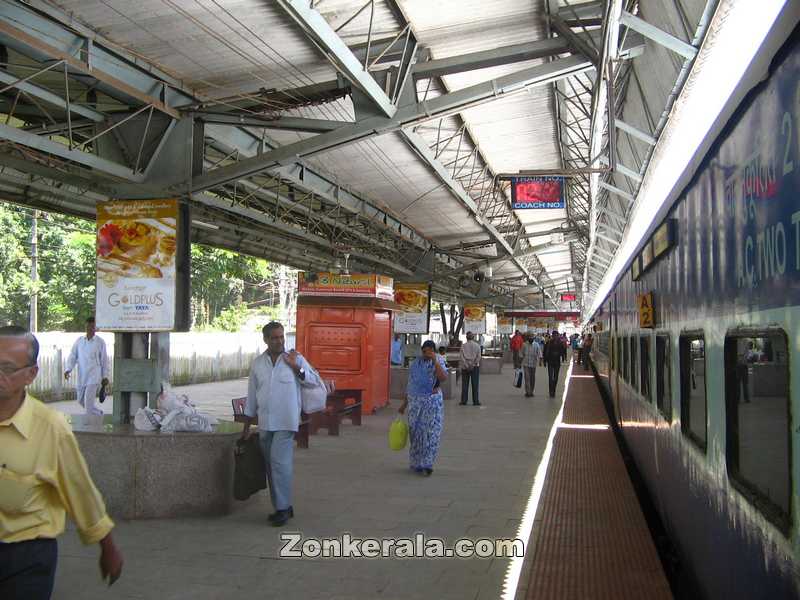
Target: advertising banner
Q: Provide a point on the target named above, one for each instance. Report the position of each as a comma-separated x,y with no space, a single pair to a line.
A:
356,284
415,299
537,192
474,318
505,325
136,245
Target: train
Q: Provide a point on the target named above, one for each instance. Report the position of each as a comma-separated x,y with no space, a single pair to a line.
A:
697,350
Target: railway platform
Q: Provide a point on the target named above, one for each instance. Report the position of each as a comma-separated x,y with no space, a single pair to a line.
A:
484,486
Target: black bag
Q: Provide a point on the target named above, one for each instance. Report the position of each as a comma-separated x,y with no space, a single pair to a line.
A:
250,471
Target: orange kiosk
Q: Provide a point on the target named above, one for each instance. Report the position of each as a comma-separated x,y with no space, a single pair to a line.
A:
344,328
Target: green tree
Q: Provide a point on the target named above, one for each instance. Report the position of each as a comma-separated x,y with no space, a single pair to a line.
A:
222,279
15,273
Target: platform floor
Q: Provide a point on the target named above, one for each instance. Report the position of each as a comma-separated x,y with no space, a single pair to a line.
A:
353,483
590,538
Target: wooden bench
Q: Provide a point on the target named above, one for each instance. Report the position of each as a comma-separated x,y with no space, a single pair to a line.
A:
338,408
301,436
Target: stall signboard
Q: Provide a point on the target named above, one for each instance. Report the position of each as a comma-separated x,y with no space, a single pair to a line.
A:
136,248
537,192
474,318
505,325
355,285
415,298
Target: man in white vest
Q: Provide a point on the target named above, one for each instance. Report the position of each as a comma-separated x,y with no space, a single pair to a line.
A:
89,352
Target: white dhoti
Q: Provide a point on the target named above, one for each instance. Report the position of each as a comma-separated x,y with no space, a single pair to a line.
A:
87,396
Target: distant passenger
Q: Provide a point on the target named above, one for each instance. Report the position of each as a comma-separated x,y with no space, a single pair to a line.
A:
425,408
552,358
531,357
516,348
397,350
587,351
470,365
442,351
43,477
89,352
745,359
273,395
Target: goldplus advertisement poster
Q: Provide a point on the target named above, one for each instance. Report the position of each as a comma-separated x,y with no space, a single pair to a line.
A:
505,325
136,248
415,298
474,318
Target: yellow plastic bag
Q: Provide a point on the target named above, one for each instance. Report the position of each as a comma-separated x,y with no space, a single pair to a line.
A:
398,434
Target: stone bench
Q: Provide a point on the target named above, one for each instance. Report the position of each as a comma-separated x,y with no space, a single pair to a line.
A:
151,475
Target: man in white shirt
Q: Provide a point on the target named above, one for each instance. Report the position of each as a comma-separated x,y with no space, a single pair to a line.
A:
273,395
89,352
470,363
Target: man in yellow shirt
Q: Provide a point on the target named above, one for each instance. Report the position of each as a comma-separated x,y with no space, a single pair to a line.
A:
43,476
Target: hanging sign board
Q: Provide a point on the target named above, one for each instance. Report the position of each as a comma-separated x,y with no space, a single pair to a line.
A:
136,247
415,298
474,318
647,314
568,297
537,192
505,325
355,285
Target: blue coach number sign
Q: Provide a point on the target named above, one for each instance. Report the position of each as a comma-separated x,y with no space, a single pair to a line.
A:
537,192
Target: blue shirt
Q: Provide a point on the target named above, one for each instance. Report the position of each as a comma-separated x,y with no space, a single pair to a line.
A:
422,376
397,352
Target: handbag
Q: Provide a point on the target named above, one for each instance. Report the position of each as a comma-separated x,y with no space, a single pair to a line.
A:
249,469
398,434
314,398
517,378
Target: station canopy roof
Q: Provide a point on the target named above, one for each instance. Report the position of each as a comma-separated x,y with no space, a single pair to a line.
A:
373,135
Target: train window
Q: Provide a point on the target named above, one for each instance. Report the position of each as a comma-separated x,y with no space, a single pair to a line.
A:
693,388
644,363
619,355
663,376
633,342
758,420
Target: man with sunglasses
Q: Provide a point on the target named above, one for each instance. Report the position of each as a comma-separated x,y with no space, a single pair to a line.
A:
43,476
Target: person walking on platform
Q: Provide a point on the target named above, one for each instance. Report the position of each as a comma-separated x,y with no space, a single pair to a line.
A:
470,363
273,396
587,349
552,358
516,348
425,408
89,353
397,350
43,477
531,356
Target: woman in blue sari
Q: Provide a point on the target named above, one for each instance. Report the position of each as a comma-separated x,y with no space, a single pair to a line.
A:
425,408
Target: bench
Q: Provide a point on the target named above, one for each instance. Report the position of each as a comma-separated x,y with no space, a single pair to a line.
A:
301,436
338,408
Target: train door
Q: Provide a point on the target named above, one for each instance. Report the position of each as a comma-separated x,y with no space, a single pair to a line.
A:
614,375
